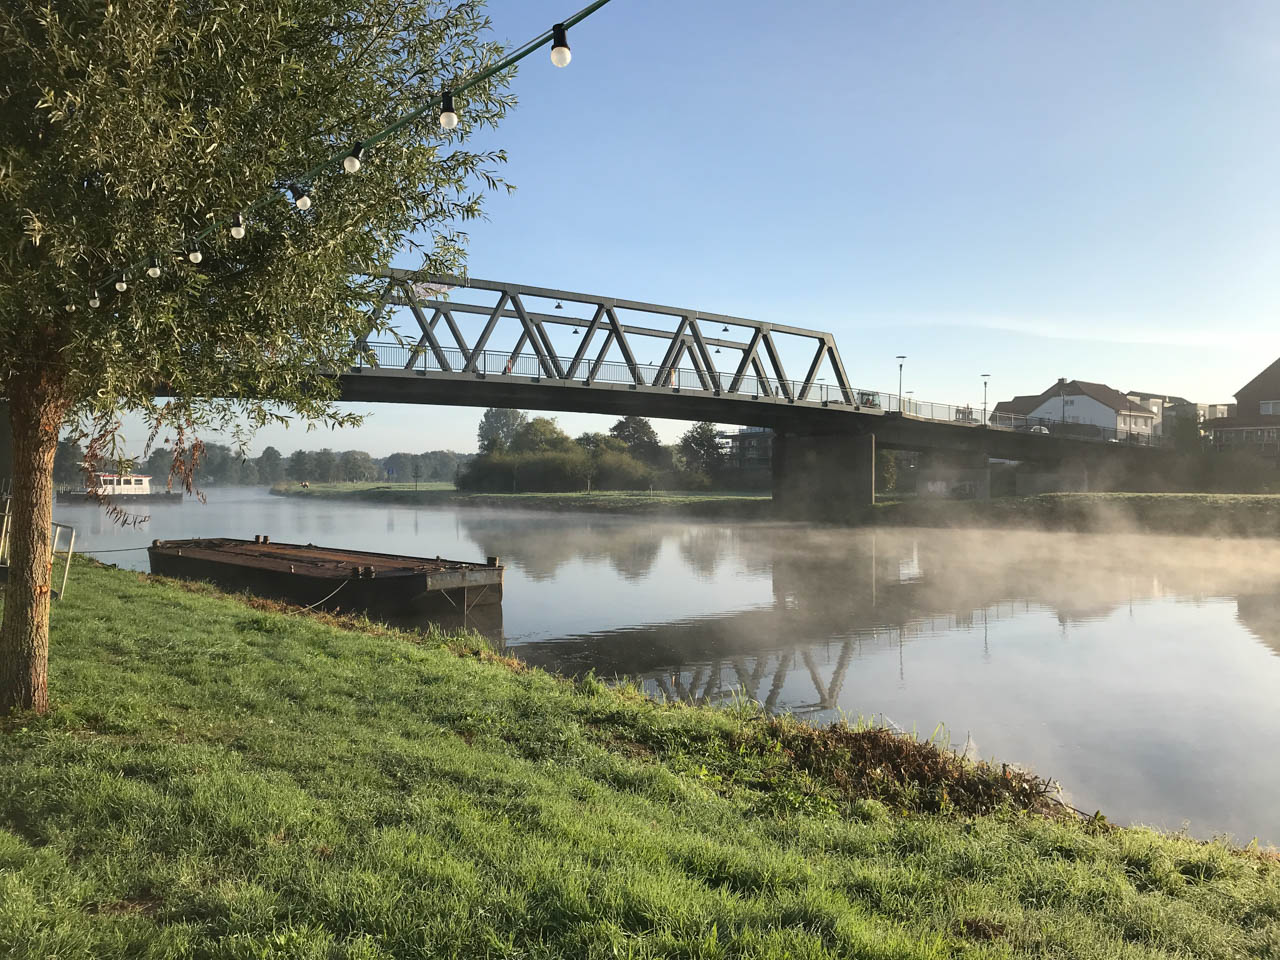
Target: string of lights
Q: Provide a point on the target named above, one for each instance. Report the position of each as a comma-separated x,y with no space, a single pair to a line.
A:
351,158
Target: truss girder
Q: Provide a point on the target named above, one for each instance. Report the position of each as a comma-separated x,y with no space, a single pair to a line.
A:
754,357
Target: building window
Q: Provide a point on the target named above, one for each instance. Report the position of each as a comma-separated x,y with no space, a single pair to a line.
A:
1269,407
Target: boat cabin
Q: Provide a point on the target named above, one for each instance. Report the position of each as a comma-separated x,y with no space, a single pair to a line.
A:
117,484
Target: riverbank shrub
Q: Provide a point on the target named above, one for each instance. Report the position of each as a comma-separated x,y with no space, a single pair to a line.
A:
542,472
226,779
554,471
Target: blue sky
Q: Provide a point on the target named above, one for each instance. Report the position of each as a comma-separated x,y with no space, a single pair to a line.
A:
1085,190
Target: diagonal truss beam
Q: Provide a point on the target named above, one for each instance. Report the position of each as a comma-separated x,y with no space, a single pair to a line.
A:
760,359
428,338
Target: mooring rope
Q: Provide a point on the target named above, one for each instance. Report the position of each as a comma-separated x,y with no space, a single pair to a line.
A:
318,602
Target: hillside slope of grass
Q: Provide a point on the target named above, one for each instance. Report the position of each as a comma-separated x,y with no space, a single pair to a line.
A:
219,780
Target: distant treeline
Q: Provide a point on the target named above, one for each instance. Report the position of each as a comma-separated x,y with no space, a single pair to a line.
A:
221,465
523,454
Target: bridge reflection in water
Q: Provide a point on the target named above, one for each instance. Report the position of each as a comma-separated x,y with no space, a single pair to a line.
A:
831,600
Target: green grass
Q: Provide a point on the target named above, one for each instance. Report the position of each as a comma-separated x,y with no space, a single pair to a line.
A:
718,503
223,781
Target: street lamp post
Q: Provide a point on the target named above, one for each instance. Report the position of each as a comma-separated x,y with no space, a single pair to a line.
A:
985,378
900,357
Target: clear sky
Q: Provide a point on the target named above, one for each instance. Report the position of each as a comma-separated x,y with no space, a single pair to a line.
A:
1086,190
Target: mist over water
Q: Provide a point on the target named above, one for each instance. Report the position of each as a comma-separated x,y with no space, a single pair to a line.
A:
1143,672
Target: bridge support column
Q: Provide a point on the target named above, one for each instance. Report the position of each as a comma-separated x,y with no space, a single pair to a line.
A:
823,476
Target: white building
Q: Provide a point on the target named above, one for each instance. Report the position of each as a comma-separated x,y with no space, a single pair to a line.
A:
1081,402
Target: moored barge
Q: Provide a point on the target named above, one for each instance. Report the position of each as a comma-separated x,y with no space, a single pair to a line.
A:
330,578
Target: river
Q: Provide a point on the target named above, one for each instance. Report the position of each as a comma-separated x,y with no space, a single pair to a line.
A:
1141,672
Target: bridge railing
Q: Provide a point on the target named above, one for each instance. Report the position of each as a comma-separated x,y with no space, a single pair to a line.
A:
400,356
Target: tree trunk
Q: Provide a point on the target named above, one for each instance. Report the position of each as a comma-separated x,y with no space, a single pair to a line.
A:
36,411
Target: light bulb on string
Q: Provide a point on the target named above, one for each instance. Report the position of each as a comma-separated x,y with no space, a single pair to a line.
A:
237,227
448,118
300,198
153,271
122,283
351,162
194,254
71,308
94,300
560,54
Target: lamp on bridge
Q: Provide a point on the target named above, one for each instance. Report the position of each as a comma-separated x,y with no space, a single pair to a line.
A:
900,357
985,378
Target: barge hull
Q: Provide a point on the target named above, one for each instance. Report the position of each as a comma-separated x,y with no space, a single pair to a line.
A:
66,496
331,579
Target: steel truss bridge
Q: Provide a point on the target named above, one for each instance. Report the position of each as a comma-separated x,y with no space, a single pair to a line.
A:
473,342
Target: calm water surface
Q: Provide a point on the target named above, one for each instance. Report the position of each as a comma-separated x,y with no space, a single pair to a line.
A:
1141,672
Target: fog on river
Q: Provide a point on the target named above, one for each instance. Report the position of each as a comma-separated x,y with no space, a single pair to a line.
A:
1141,672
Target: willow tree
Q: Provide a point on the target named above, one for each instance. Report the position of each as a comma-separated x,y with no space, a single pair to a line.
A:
130,129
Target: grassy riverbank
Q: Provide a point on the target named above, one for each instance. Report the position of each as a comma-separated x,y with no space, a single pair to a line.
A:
220,780
1194,514
747,506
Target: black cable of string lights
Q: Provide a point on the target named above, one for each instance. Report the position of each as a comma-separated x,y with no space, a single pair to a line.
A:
350,157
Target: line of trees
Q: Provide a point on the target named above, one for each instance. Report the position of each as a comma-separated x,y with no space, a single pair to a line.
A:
222,465
519,453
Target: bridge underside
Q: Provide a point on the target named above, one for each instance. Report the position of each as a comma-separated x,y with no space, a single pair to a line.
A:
823,457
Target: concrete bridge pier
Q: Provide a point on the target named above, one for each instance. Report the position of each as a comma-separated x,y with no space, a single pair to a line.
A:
817,476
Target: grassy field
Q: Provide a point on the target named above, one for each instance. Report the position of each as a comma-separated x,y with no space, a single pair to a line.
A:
219,780
745,505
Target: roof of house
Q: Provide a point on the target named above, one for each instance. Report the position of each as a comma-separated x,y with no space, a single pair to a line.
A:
1166,397
1019,405
1105,395
1267,381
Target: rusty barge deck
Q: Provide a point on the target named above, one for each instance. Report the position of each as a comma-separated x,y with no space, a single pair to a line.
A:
332,579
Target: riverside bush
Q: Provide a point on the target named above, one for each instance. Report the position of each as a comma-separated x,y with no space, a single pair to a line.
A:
554,471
